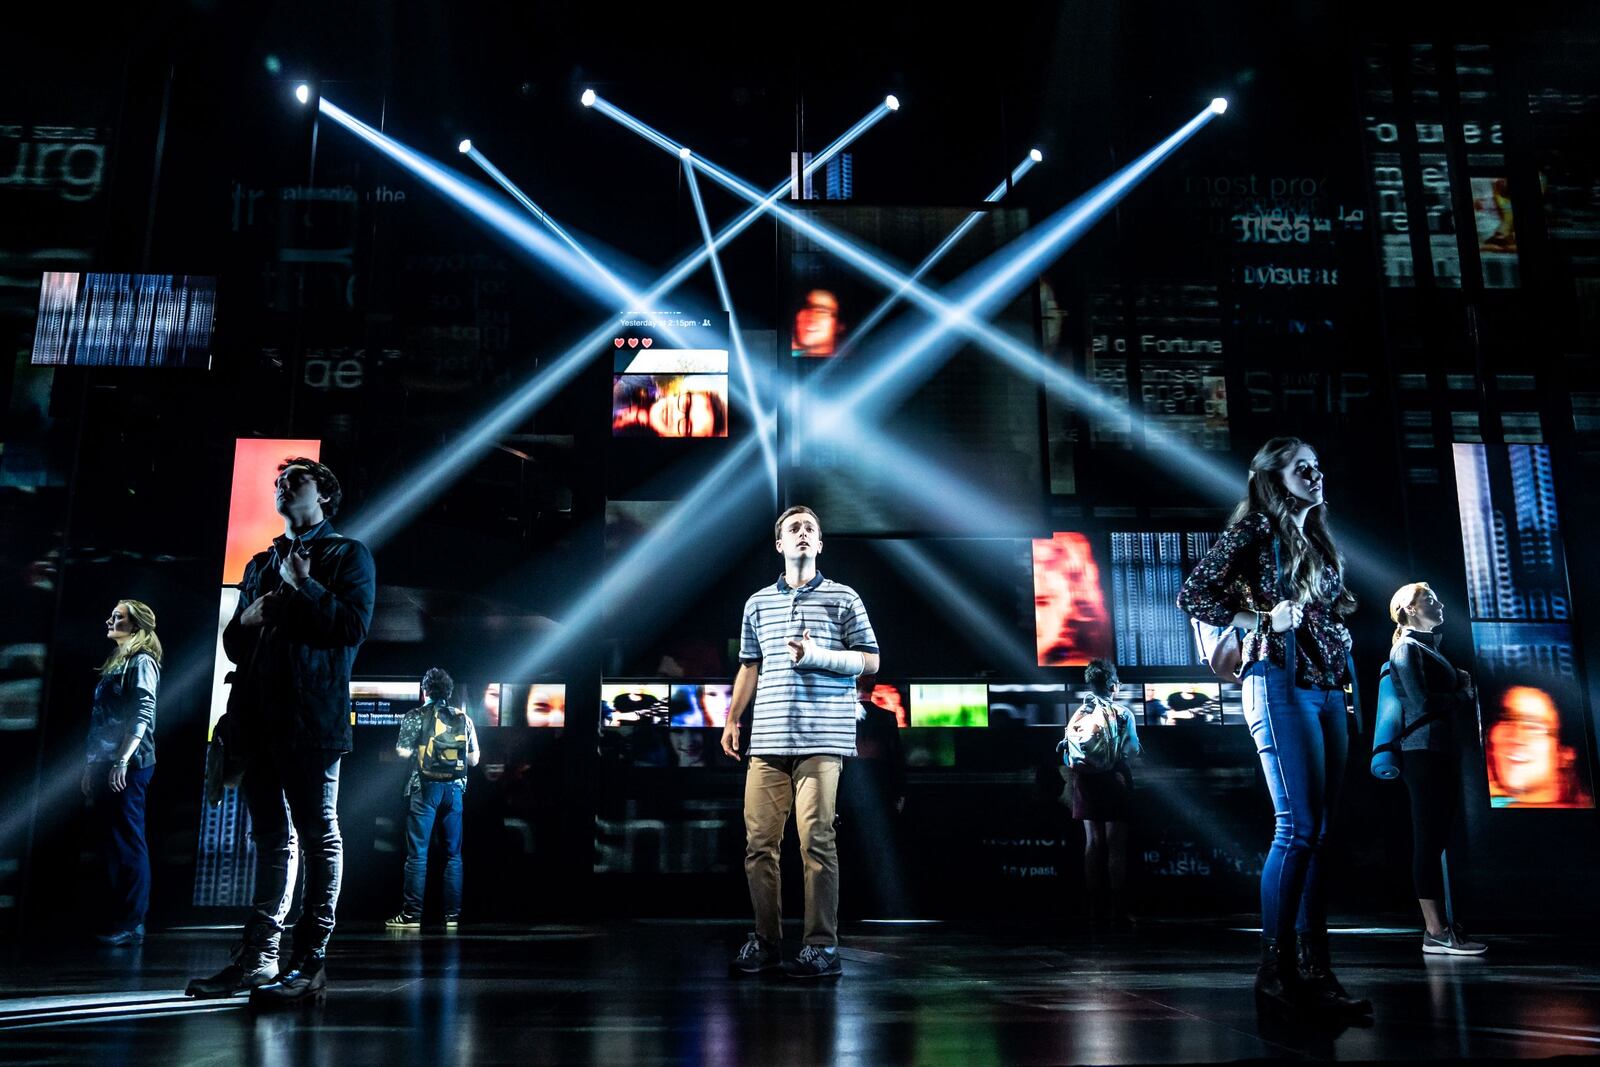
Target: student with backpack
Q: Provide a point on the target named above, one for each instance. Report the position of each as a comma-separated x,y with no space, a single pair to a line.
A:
1436,702
1099,741
443,744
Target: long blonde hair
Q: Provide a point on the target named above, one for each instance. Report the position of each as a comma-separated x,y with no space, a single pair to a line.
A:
1266,493
1403,598
144,637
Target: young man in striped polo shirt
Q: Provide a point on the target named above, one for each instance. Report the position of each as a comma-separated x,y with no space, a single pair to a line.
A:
805,641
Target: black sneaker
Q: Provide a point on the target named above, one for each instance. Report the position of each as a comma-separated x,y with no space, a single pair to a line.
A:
304,983
452,921
757,954
815,961
248,968
404,921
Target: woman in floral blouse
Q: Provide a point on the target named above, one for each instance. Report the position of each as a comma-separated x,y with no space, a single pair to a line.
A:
1277,576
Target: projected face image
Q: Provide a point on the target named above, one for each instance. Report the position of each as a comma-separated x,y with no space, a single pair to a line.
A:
1529,767
547,705
701,705
816,326
1070,621
661,405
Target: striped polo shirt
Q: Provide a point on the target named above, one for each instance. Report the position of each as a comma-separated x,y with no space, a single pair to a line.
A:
803,712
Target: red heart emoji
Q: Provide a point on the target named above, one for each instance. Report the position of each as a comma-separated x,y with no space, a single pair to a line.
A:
647,342
633,342
617,341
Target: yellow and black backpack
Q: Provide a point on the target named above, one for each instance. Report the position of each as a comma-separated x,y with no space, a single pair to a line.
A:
442,748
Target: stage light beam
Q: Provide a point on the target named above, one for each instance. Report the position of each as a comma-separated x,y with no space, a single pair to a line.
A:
398,504
892,102
627,293
888,303
769,451
1219,105
588,98
465,146
302,93
1036,155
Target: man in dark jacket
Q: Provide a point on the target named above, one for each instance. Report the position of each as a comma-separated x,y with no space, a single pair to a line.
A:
304,608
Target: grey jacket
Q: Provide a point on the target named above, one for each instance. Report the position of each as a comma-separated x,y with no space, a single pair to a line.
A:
1427,685
125,703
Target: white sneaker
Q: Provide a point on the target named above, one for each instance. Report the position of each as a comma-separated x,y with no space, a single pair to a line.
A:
1453,942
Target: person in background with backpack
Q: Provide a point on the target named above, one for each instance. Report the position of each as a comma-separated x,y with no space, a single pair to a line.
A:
1101,738
1277,576
445,744
1433,695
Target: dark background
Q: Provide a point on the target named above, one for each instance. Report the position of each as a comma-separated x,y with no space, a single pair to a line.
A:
384,326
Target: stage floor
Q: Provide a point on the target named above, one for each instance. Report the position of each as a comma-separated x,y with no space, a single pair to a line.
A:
658,992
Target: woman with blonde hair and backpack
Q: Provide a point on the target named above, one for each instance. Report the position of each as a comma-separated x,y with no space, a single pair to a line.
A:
1433,696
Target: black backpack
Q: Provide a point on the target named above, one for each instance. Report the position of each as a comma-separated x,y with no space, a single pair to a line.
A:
442,748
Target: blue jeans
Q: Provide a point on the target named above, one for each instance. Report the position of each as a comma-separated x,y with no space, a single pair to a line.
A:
439,802
1303,741
120,820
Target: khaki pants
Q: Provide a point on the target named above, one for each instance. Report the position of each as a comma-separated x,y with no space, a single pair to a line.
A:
809,785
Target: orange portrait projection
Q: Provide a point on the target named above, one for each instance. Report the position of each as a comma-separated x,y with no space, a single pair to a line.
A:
1071,624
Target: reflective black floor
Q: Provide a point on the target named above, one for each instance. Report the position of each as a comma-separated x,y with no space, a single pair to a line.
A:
658,992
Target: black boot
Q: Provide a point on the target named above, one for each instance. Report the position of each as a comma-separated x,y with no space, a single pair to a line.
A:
249,966
1278,982
305,982
1320,982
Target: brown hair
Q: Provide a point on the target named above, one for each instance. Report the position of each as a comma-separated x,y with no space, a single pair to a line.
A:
798,509
1267,494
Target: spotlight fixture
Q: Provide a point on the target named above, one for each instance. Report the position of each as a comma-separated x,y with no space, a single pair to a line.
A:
1219,105
684,153
465,146
1036,155
587,99
302,93
892,102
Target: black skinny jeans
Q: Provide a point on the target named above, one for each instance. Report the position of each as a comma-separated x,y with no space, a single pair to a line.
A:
1434,781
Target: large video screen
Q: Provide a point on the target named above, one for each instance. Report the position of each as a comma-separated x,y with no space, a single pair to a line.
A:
1071,624
124,320
666,392
1531,709
1530,695
894,699
1028,705
378,703
1193,703
704,704
949,704
962,412
1147,571
493,704
636,703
